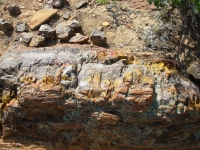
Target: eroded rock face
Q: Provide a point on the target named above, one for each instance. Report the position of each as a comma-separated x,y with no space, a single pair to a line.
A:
101,97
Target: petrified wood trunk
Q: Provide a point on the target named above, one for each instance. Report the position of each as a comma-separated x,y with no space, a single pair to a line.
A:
98,99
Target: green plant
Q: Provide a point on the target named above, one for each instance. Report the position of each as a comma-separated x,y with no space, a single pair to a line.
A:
102,1
1,2
193,5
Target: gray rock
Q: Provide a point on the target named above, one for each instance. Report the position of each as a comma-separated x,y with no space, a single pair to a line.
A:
22,27
63,32
81,4
194,70
98,38
73,24
57,3
14,10
79,39
37,41
26,38
66,15
47,31
5,26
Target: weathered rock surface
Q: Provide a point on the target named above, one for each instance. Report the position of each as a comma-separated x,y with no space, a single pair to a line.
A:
37,41
63,32
98,38
5,26
47,31
14,10
99,99
41,17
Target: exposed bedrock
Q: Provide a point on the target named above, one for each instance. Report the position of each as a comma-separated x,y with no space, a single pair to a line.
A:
93,98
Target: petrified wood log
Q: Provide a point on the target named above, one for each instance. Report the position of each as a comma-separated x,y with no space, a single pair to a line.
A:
92,98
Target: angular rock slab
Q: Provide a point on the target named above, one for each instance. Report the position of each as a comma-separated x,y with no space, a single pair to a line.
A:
105,98
41,17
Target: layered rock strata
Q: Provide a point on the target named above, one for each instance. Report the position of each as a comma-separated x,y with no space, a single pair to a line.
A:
93,98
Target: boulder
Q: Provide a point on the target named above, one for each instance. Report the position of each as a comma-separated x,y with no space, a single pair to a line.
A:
5,26
66,15
47,31
63,32
14,10
187,41
41,17
106,98
37,41
79,39
98,38
26,38
22,27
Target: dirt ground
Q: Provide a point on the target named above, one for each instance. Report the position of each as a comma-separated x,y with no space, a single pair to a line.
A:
128,20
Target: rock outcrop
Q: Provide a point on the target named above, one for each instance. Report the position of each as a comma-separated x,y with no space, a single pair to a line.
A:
98,98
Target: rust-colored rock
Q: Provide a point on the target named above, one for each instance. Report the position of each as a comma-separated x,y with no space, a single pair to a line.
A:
99,99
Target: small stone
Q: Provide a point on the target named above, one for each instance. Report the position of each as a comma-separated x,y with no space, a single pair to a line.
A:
63,32
5,8
73,24
14,10
57,3
40,1
37,41
21,27
81,4
41,17
5,26
66,15
123,8
187,41
79,39
105,24
133,16
100,28
47,31
26,38
98,38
